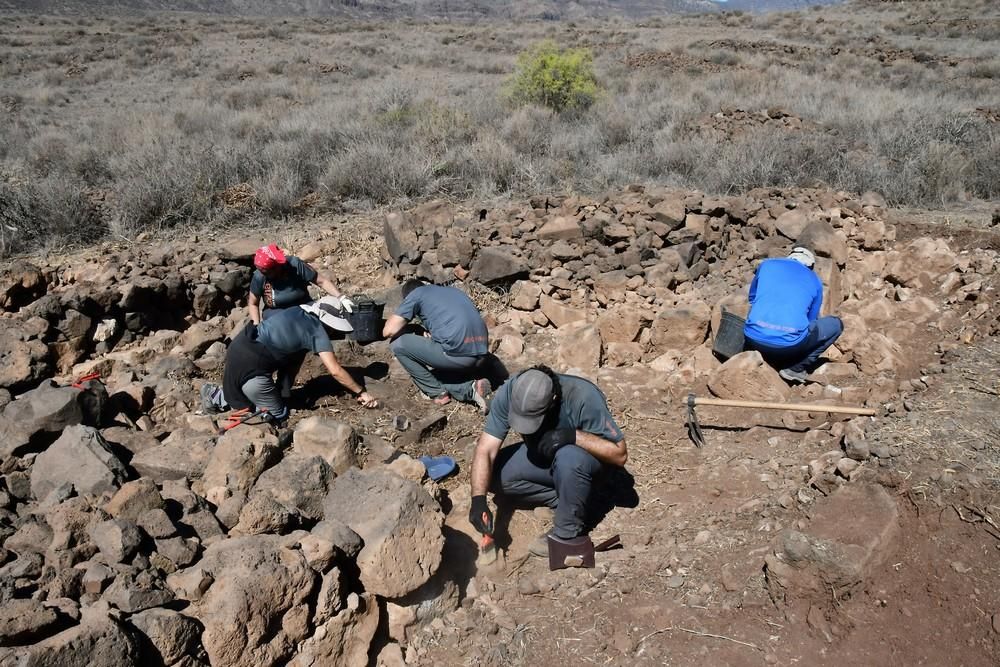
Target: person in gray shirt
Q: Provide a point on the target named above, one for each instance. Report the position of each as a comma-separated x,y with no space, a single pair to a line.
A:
570,442
261,350
449,359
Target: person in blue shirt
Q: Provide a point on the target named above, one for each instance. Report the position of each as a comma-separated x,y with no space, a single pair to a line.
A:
784,323
282,281
570,442
259,351
450,358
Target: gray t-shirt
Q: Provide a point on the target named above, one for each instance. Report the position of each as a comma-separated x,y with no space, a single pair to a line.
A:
583,408
291,331
290,288
451,318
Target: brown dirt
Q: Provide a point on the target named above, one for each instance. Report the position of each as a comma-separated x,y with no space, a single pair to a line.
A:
931,601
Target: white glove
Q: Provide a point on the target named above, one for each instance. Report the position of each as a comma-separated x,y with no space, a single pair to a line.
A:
347,304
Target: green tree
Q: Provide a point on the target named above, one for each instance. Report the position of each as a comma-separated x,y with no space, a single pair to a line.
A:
554,77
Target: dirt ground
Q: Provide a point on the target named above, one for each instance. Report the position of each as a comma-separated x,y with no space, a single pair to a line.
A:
688,586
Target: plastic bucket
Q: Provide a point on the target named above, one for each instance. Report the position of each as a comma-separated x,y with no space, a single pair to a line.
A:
729,339
366,320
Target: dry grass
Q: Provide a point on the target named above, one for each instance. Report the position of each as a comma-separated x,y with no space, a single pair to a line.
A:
160,116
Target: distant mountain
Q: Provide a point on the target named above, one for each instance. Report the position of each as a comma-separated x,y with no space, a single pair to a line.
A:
458,9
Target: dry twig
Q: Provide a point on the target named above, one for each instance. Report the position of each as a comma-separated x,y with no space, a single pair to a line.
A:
700,634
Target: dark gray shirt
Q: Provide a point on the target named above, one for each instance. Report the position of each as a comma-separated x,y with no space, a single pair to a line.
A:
293,330
583,408
290,288
451,318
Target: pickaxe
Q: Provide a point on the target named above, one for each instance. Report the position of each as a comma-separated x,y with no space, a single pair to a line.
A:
694,428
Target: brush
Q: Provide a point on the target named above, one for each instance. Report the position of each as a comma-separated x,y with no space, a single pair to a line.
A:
487,548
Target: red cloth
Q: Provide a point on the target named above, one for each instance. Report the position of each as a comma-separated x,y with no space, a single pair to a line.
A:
268,257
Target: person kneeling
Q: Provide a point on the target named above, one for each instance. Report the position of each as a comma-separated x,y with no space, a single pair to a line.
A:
451,358
570,442
784,323
259,351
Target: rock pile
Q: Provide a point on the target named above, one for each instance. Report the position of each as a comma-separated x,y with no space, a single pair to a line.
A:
132,533
638,280
733,122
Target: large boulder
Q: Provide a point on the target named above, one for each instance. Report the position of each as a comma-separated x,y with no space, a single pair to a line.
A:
498,266
25,621
334,441
46,409
117,539
746,376
681,328
401,237
20,284
238,459
579,346
182,454
345,639
820,237
619,325
134,499
299,483
253,599
524,295
559,313
98,641
400,524
560,228
80,457
169,635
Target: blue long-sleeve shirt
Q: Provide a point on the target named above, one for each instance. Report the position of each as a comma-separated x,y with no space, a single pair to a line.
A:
785,296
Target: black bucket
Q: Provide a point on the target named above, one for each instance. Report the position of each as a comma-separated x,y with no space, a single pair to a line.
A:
729,338
366,320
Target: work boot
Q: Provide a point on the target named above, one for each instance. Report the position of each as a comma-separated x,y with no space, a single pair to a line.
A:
794,377
539,546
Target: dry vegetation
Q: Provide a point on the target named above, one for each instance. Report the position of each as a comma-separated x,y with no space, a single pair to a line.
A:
115,125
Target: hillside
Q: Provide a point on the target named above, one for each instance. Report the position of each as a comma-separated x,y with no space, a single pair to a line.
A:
440,9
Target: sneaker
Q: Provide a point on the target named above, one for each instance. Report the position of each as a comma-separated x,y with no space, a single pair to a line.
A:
794,377
481,394
211,399
443,399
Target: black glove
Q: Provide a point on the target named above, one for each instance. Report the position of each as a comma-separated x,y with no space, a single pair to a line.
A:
480,515
553,440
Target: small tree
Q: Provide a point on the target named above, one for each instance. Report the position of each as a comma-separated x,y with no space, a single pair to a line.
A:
557,78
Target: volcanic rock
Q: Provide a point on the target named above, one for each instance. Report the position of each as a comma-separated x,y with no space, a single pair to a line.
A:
400,525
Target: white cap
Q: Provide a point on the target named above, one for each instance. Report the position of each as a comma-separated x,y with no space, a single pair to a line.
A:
329,312
803,256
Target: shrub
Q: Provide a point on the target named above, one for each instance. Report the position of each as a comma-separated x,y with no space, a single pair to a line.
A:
557,78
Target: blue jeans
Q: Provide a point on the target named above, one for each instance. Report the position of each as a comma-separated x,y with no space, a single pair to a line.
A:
802,356
564,486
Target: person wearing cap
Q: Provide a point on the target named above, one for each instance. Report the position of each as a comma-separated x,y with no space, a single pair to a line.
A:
570,441
258,352
282,281
784,323
447,361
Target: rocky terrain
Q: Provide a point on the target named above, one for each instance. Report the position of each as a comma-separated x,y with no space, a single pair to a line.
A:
133,533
